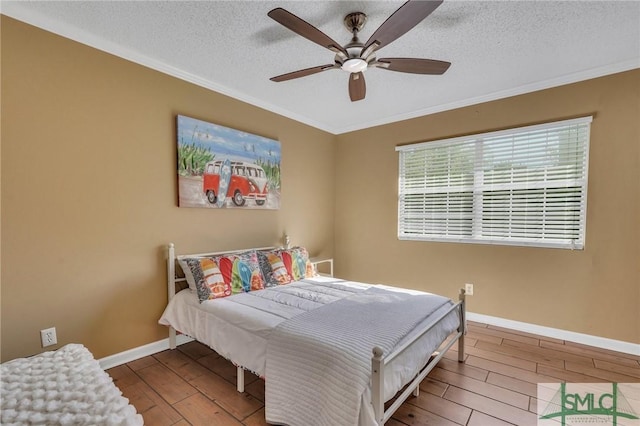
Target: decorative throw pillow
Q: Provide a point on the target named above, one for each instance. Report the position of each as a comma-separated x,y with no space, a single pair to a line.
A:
241,271
273,270
296,261
208,278
265,268
186,269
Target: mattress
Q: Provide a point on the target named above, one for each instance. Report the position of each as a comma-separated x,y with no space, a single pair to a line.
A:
63,387
238,327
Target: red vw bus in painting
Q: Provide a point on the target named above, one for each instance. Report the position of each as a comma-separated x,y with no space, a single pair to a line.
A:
248,182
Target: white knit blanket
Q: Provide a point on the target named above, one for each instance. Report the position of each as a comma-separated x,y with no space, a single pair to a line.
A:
319,362
63,387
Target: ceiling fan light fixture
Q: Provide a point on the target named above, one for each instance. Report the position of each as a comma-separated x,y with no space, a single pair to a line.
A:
354,65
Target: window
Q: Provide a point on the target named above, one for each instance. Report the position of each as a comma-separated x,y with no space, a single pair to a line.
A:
525,186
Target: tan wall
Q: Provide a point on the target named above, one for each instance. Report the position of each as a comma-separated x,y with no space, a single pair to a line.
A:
594,291
89,192
88,200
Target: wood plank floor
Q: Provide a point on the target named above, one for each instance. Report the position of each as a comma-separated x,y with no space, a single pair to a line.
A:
495,386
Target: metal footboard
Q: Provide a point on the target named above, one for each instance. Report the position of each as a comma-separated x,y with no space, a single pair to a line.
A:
379,360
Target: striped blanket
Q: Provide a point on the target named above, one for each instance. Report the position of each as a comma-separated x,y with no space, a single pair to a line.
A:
319,362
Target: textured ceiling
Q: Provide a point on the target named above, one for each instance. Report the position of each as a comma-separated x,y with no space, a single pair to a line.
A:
497,49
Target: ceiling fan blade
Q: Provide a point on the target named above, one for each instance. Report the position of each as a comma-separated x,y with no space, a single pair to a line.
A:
303,73
305,29
413,65
357,86
402,20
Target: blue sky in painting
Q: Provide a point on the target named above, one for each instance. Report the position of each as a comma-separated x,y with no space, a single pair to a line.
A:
225,142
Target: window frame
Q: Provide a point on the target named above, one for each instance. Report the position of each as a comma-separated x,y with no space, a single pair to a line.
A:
479,142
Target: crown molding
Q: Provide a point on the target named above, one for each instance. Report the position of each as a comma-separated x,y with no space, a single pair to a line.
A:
15,10
521,90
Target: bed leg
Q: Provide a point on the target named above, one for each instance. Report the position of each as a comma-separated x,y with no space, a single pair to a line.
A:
416,391
377,385
462,329
461,348
240,379
172,338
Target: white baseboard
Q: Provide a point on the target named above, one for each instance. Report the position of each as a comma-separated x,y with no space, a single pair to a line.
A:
140,352
585,339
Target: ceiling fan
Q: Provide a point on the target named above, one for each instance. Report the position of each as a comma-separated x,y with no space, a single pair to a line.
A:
356,57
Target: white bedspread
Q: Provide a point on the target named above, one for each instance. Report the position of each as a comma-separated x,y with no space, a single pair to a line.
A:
238,327
63,387
322,359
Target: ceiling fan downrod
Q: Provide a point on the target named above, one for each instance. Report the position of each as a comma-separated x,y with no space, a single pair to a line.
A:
354,63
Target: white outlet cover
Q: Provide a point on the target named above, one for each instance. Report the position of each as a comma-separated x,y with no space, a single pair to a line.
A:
48,337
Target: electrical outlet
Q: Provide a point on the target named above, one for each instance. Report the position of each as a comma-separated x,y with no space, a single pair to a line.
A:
468,289
48,337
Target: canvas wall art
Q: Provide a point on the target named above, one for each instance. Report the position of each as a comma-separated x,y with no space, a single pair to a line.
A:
220,167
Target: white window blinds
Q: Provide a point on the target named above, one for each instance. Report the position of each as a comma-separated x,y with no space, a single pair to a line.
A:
525,186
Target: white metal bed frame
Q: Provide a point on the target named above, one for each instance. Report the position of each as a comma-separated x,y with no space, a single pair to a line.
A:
378,359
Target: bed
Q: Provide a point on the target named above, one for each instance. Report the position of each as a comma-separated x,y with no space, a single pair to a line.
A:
63,387
339,349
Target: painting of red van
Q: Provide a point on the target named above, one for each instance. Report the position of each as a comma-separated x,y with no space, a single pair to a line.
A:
248,182
220,167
